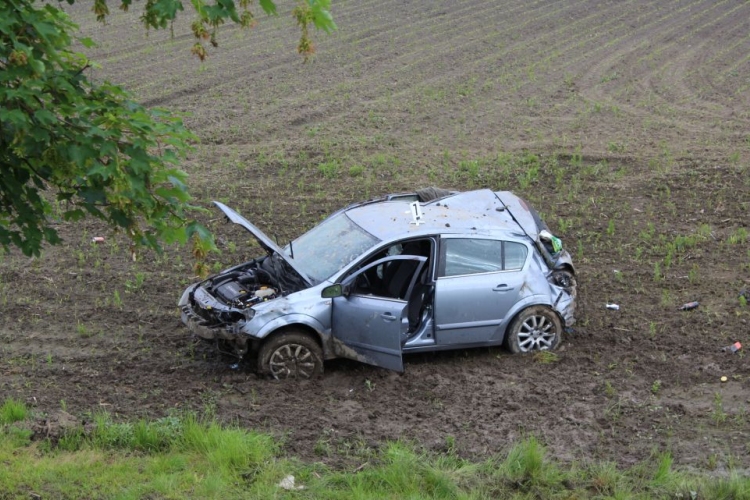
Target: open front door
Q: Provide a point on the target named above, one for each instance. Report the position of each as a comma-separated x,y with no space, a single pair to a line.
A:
371,329
370,322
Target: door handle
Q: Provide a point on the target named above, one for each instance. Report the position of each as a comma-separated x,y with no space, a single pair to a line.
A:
502,288
388,316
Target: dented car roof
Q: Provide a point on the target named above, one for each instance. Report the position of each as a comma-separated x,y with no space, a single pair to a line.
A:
478,211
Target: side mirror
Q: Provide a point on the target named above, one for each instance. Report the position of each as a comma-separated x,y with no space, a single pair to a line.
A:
332,291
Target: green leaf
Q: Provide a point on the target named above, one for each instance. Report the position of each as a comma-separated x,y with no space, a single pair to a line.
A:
268,6
87,42
91,143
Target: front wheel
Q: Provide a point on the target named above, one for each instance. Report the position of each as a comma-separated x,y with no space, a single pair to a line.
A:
537,328
291,354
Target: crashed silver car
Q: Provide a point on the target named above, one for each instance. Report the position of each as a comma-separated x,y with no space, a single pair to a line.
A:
425,271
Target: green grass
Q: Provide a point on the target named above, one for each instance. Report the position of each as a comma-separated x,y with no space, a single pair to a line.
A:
192,457
13,411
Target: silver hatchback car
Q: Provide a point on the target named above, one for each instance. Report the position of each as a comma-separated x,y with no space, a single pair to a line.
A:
425,271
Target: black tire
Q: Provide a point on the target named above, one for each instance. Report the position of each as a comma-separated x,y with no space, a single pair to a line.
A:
536,328
291,354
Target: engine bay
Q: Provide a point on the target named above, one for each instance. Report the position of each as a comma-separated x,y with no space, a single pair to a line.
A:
242,288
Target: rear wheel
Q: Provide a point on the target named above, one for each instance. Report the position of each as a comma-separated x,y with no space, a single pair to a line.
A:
291,354
536,328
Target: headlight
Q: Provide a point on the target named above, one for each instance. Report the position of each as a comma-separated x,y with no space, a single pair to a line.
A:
185,296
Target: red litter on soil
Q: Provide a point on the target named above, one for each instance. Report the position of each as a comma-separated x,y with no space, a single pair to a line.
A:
732,348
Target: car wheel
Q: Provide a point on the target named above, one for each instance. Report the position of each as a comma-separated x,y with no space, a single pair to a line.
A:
536,328
291,355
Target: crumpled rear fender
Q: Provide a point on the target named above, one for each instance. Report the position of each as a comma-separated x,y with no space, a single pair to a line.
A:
558,299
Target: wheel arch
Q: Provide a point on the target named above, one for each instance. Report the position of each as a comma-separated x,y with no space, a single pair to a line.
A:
301,323
294,327
520,309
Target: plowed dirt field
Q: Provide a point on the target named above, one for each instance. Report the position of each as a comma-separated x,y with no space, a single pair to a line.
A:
626,123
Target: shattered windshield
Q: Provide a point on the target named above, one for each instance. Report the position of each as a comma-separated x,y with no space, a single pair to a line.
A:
328,247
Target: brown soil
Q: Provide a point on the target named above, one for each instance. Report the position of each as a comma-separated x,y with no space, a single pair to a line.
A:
639,114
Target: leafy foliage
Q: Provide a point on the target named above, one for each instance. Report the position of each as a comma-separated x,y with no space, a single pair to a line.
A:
158,14
71,148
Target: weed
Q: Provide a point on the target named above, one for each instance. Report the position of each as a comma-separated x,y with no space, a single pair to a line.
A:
611,228
666,298
13,410
694,274
471,168
718,415
450,444
739,236
82,330
329,169
613,411
545,357
323,447
136,284
527,467
656,387
605,479
658,276
609,389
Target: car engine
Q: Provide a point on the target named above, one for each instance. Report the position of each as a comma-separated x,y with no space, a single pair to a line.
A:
243,288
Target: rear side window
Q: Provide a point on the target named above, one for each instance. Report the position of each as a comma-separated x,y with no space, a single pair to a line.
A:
462,256
515,255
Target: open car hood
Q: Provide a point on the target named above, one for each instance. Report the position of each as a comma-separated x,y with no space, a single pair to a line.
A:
267,243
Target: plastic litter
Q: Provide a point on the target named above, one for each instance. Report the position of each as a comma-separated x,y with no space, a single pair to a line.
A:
688,306
288,484
732,348
553,240
97,239
613,307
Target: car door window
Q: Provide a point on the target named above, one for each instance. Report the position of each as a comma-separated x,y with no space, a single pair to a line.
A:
472,256
390,277
462,256
399,276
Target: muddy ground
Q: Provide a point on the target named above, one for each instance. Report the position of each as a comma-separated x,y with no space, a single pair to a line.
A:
624,122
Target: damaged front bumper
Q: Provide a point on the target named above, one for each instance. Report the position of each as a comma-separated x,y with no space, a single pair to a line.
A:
566,305
563,285
209,320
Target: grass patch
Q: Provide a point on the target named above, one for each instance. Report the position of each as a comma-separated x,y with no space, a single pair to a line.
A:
192,457
13,411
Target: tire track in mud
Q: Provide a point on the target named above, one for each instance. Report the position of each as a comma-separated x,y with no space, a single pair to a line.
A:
669,83
445,47
232,48
412,71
